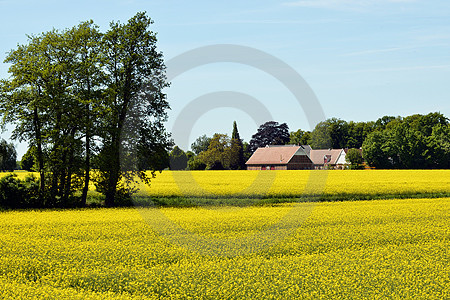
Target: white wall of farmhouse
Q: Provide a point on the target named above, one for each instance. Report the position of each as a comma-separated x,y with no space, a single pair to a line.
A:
341,159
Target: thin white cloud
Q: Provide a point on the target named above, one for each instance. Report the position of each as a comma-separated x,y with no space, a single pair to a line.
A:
343,4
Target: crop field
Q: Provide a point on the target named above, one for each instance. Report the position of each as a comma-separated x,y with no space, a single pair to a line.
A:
332,184
363,184
353,249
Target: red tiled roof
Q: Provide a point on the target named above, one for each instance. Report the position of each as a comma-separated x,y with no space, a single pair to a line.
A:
317,156
273,155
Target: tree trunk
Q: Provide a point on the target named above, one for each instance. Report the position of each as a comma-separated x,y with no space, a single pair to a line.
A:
68,183
56,162
113,174
115,170
87,164
40,157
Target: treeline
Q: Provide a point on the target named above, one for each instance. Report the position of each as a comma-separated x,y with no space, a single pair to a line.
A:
413,142
83,100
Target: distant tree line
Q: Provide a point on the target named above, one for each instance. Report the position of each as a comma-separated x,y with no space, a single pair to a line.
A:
83,100
417,141
413,142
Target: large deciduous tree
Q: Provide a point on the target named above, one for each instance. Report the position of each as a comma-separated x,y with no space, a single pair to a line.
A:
78,92
217,157
270,133
134,100
38,100
331,133
200,144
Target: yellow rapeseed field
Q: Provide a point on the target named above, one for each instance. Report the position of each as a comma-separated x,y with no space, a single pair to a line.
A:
380,249
297,183
294,183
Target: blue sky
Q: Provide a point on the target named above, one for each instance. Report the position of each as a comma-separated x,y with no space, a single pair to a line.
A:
363,59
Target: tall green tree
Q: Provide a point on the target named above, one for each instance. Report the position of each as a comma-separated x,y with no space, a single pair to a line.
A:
320,136
67,88
331,133
37,99
438,146
134,98
89,87
8,156
217,157
237,160
270,133
178,159
200,144
28,159
375,150
22,98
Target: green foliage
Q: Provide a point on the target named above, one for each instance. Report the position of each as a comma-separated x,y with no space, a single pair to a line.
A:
235,155
28,159
331,133
247,152
200,144
110,83
386,122
376,149
16,193
354,157
178,159
415,142
300,137
217,157
8,156
270,133
438,151
357,133
196,164
337,134
320,136
236,151
190,155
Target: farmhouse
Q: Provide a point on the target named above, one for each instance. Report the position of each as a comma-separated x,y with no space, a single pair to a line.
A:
328,158
289,157
293,157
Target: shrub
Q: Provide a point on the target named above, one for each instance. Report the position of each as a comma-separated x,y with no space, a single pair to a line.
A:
16,193
196,164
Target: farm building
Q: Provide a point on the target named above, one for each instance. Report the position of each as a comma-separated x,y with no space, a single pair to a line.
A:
328,158
290,157
293,157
